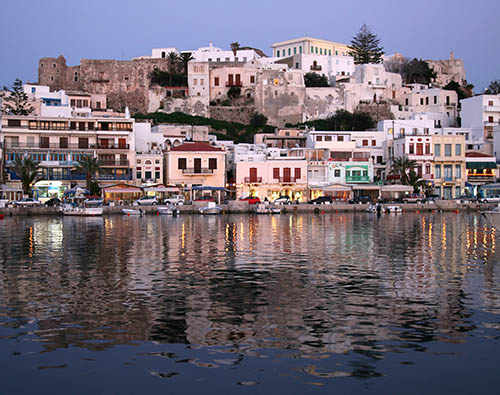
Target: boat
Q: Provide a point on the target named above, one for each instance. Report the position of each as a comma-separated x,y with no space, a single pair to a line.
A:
393,209
493,216
266,209
82,211
168,210
210,209
133,211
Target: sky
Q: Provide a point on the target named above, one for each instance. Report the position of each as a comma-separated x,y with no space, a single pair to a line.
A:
123,29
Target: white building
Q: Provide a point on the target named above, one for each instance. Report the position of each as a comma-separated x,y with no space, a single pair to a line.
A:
481,113
309,45
214,54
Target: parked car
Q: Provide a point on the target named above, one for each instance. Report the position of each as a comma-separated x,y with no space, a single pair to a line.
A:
147,200
321,200
490,199
431,198
413,198
283,200
250,199
360,200
53,202
177,200
206,198
468,199
27,202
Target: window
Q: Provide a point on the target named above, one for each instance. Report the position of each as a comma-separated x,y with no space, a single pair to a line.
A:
437,149
328,138
297,173
300,49
420,149
435,100
157,175
490,118
319,138
365,143
411,148
447,150
427,168
402,131
289,51
252,79
448,170
216,81
278,53
340,138
181,163
294,50
212,163
337,173
195,81
374,143
458,171
63,142
14,122
458,149
427,100
276,173
201,81
421,101
437,171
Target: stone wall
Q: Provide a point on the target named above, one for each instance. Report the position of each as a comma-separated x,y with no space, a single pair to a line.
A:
323,102
232,114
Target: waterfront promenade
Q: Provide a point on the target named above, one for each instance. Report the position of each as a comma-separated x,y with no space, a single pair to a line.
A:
237,207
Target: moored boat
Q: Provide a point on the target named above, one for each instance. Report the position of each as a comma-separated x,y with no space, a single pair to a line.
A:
168,210
132,211
266,209
82,211
210,209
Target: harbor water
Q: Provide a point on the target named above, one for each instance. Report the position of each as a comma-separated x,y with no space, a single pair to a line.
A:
299,303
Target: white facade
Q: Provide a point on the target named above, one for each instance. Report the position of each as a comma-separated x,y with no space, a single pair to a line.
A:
309,45
214,54
162,52
481,113
199,78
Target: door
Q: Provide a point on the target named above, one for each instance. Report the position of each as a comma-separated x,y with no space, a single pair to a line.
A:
253,174
122,143
63,142
286,174
103,143
44,142
197,165
83,142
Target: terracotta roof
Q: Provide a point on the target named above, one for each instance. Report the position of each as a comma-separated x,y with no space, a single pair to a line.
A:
195,147
477,155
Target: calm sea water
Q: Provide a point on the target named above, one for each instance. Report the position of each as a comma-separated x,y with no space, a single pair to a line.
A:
289,304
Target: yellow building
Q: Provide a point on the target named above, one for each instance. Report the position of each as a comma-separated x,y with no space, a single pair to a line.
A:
308,45
449,166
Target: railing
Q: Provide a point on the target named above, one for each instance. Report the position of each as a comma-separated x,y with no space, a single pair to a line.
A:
197,170
68,128
113,162
357,179
234,83
287,179
113,146
253,180
9,145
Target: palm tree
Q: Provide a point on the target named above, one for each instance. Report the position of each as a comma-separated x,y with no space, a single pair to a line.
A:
173,62
89,165
401,166
28,172
185,58
415,181
234,47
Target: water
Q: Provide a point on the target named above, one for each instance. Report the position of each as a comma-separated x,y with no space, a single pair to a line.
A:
290,304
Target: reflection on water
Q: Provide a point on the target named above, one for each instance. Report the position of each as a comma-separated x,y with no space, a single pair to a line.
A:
323,296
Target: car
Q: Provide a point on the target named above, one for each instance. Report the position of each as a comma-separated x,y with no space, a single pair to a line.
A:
321,200
147,200
413,198
360,200
250,199
490,199
177,200
431,199
468,199
27,202
206,198
283,200
53,202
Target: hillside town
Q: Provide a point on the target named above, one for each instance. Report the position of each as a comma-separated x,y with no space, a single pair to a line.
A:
425,130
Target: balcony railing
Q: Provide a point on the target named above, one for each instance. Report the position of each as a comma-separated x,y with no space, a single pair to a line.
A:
68,128
76,177
197,170
253,180
234,83
113,163
357,179
286,180
22,146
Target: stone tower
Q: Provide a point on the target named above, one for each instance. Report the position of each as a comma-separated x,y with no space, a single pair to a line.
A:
52,72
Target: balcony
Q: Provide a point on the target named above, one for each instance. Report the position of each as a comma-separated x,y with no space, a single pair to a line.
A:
253,180
230,84
197,170
287,180
113,146
357,179
114,163
69,128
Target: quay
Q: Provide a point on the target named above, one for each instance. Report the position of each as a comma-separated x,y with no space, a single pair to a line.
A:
236,207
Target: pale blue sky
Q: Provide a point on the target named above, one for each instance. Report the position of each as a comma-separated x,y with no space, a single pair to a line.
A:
106,29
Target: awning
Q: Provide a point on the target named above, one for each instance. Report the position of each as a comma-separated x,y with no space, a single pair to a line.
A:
481,165
122,190
337,187
366,187
202,188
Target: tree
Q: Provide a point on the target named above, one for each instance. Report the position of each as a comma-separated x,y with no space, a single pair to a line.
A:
16,101
258,120
28,172
365,47
315,80
414,71
493,88
185,58
415,181
234,92
402,166
235,46
173,62
455,86
89,166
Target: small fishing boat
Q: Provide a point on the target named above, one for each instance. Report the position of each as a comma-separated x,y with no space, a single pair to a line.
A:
82,211
168,210
210,209
133,211
266,209
393,209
